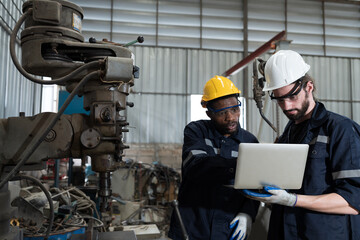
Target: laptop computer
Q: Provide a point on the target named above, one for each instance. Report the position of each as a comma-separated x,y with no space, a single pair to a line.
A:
262,164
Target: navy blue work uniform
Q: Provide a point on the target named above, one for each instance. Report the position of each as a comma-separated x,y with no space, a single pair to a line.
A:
206,204
333,166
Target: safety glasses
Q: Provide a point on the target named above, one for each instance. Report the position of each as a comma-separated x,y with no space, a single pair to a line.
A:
292,95
223,111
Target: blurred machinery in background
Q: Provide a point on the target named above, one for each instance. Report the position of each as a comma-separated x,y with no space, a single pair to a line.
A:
101,72
144,193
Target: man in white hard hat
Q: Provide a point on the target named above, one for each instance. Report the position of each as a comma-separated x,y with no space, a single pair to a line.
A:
210,210
327,205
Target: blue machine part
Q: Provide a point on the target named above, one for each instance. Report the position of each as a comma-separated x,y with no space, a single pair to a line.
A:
76,105
66,235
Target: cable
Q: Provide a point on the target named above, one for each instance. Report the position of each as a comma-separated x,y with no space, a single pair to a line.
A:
82,194
61,80
47,194
38,141
90,201
258,90
100,223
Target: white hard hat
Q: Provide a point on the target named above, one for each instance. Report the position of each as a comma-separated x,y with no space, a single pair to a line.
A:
284,68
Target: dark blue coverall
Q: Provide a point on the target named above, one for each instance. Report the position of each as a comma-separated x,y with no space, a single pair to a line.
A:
333,166
206,205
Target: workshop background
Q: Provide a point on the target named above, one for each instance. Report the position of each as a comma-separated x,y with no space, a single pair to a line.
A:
186,43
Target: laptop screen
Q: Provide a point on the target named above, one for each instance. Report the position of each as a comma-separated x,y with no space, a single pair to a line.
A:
261,164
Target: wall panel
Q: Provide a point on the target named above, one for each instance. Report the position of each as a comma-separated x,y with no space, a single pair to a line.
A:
17,94
315,28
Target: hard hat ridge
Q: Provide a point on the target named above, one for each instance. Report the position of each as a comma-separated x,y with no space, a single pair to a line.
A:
283,68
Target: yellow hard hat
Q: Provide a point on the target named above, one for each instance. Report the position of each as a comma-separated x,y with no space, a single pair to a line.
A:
217,87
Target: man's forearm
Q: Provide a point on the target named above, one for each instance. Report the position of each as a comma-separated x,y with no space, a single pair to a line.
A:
326,203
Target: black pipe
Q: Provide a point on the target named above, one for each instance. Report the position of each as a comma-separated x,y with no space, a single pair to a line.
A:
175,204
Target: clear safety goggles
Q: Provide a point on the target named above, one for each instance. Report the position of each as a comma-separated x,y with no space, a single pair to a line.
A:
292,95
223,111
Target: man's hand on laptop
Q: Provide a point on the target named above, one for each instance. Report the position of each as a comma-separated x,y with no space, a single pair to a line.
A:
276,196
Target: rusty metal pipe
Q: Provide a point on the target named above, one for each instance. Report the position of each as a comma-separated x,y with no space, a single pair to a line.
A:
261,50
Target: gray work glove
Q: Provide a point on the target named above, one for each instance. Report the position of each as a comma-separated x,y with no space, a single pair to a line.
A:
242,226
276,196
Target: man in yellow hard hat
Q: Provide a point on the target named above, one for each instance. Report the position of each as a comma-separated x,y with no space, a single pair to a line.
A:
208,207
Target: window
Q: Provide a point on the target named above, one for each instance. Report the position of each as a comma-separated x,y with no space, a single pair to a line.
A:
49,99
197,111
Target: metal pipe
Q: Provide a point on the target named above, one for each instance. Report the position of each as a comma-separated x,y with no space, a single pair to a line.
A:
182,226
323,26
267,120
261,50
246,52
201,23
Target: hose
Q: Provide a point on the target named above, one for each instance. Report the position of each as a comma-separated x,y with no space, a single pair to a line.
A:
47,194
267,120
258,91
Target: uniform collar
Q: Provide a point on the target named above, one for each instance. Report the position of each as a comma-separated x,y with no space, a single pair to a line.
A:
319,116
317,119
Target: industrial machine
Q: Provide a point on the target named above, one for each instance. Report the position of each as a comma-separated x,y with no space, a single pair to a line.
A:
102,72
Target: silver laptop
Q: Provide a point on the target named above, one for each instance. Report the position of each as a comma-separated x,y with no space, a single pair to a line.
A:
261,164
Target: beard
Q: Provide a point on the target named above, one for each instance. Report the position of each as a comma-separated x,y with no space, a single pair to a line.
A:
300,112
